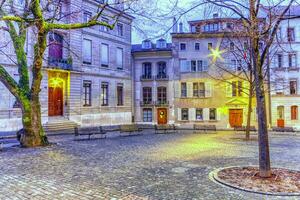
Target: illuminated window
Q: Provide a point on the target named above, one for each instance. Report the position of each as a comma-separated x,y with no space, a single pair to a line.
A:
294,113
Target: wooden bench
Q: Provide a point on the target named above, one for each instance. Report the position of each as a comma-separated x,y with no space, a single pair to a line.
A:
165,128
204,128
243,128
82,131
283,129
130,129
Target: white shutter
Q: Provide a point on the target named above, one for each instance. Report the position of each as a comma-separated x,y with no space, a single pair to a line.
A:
205,65
185,65
228,90
188,65
177,89
206,114
189,89
208,89
192,114
218,110
179,114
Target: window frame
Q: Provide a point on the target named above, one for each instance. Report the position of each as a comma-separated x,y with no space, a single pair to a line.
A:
184,114
294,112
87,93
183,89
120,65
180,46
104,64
214,110
148,111
90,60
104,93
120,94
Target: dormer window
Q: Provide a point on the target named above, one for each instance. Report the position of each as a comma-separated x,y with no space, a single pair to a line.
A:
146,44
161,44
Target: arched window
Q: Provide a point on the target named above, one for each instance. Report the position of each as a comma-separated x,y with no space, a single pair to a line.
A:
294,112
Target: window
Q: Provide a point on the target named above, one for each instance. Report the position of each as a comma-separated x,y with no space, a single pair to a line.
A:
212,114
147,95
183,90
246,46
162,95
146,44
16,104
197,46
199,114
120,29
209,46
293,87
87,51
87,16
104,94
87,89
147,70
199,89
119,58
291,34
229,25
237,88
292,60
104,28
279,60
236,65
231,47
147,115
211,27
161,43
104,55
184,65
120,95
294,112
162,70
182,46
193,65
280,112
184,114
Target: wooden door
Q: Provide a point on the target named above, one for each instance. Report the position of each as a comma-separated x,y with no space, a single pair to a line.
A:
55,101
162,116
236,117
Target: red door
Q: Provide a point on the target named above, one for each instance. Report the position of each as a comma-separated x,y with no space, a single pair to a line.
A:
55,101
162,117
236,117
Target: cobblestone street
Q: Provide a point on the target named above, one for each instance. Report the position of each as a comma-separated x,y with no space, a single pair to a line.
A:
174,166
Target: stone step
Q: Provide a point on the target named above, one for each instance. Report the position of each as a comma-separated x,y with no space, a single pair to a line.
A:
60,125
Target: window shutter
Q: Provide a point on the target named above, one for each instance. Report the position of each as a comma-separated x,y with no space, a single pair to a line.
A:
179,114
188,65
205,113
177,89
228,89
205,65
189,89
208,89
192,114
218,110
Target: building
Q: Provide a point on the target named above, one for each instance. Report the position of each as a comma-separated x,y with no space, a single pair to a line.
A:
86,75
285,72
205,92
153,82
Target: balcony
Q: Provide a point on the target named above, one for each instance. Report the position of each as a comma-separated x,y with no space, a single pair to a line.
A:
162,77
60,63
146,103
146,77
162,103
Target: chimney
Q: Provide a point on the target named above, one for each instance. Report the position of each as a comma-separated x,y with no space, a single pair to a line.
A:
175,26
215,15
180,27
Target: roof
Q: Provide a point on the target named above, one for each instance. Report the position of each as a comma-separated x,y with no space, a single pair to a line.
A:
138,48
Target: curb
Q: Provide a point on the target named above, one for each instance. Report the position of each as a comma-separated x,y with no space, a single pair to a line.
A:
213,175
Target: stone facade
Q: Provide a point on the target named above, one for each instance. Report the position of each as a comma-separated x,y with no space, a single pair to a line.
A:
71,73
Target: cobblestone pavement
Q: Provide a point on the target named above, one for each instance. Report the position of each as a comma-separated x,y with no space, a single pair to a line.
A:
174,166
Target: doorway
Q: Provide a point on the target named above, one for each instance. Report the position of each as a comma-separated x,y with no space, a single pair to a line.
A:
236,117
55,101
162,116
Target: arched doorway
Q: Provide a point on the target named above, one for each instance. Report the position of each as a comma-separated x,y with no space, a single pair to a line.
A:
55,97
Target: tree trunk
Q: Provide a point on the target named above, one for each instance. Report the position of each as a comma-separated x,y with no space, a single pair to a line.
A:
249,115
263,140
33,134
